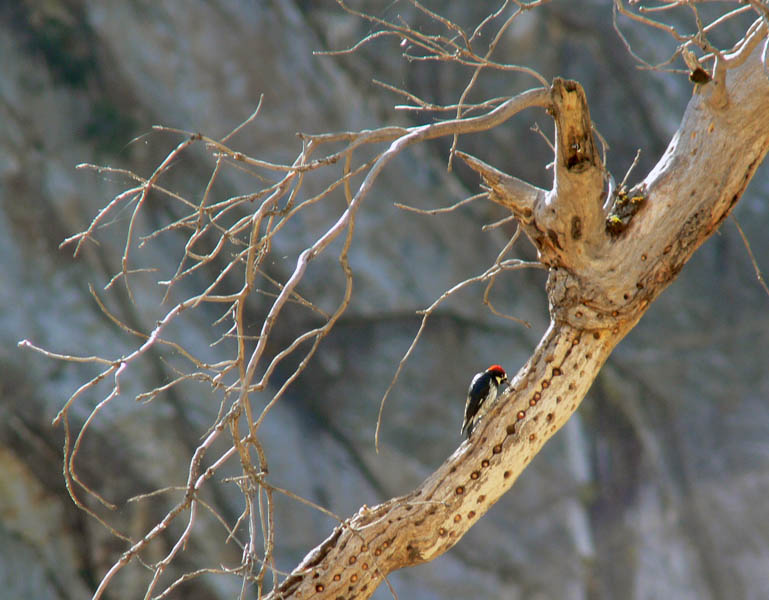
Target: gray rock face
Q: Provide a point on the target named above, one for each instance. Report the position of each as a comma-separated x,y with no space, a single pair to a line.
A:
655,490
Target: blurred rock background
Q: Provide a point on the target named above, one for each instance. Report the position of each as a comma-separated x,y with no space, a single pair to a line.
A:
656,489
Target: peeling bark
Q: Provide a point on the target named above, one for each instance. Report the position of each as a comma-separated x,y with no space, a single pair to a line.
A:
599,286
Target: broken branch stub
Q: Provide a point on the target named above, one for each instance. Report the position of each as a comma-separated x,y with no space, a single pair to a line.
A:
603,276
566,224
571,213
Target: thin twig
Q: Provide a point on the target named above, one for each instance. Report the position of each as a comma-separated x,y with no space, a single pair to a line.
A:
753,261
246,122
439,211
426,313
630,169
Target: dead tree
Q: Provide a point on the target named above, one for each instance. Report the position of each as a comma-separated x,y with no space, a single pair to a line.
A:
609,256
609,252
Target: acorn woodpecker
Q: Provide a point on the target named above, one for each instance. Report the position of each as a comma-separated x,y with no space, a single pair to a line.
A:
481,395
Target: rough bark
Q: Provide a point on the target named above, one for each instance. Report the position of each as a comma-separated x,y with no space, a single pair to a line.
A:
610,254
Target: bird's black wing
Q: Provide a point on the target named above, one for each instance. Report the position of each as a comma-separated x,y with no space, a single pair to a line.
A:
479,390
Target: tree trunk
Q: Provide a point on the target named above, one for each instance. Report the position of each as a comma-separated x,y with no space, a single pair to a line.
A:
610,253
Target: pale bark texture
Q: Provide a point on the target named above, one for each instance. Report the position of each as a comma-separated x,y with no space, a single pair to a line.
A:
602,279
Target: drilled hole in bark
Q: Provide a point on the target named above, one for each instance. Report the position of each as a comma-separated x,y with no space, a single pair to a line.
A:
354,577
497,449
441,532
596,335
554,239
556,371
521,414
545,385
457,518
471,514
576,228
315,575
337,577
364,566
532,437
506,474
510,429
481,498
319,587
460,490
572,387
474,475
549,417
558,400
352,560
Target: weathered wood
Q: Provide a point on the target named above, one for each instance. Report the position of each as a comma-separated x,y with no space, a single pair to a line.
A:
599,286
427,522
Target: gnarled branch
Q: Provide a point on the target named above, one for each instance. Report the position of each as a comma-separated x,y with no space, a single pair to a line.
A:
601,282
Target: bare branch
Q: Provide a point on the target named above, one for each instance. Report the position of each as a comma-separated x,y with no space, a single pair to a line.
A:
438,211
753,261
490,273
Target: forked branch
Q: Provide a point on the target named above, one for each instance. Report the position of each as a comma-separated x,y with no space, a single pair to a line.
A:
596,298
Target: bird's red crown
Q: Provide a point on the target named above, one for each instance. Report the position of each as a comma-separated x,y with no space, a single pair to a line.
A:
496,370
